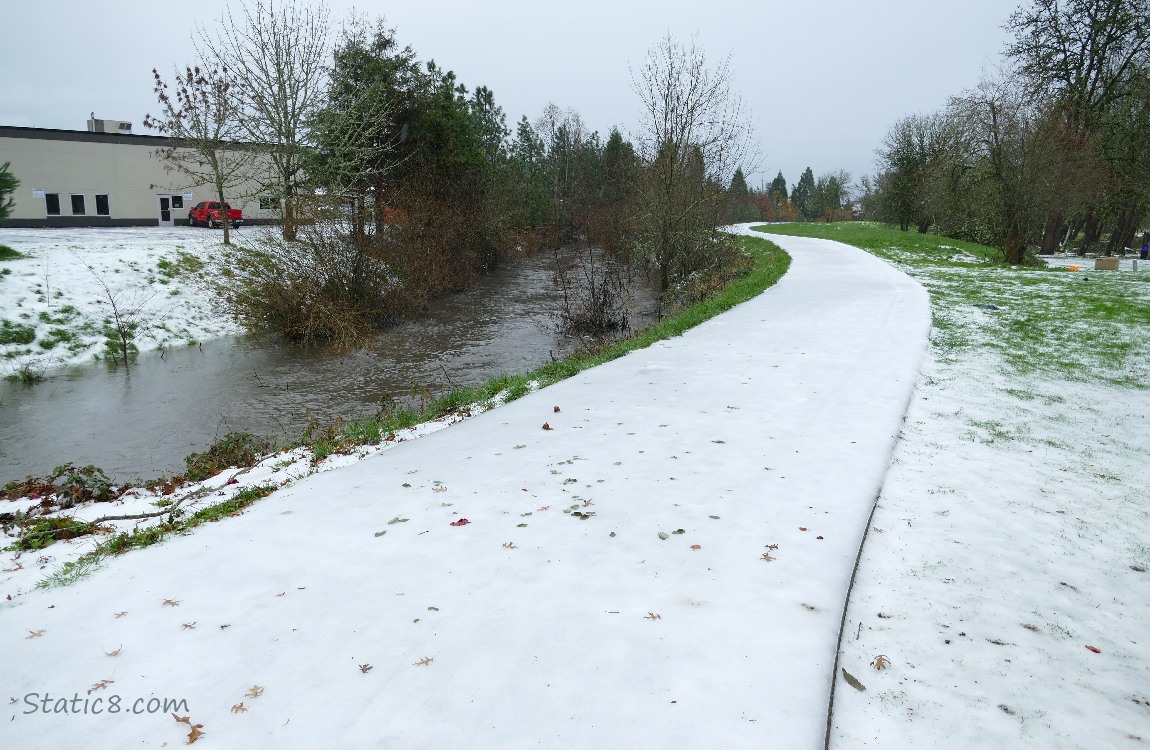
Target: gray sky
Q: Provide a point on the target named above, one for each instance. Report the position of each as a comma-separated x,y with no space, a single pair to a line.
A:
824,79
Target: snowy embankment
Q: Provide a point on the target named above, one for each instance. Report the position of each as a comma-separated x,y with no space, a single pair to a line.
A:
56,303
652,553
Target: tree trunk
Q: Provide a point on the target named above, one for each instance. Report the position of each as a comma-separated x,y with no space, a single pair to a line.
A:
1090,233
1051,233
1015,246
924,225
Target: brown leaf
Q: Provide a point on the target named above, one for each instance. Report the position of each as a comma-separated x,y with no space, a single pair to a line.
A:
239,708
365,668
182,719
555,409
546,426
424,661
195,734
114,653
695,546
255,692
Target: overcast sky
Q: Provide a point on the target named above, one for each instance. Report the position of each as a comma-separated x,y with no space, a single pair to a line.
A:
824,79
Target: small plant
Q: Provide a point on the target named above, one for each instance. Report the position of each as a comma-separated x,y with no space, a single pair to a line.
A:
233,449
29,372
7,253
41,532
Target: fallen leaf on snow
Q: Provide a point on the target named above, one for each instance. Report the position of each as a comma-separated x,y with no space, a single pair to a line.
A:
255,692
120,614
695,546
509,545
546,426
424,661
100,686
239,708
767,557
653,616
460,522
880,662
113,653
555,409
171,603
1095,649
189,626
35,633
195,734
365,668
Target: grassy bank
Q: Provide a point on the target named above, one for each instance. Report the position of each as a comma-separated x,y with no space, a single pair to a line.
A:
340,437
1081,326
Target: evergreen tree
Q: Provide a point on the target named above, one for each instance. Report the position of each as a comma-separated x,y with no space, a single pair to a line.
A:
802,195
779,185
8,185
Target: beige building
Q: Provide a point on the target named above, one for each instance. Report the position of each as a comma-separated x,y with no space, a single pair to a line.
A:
104,177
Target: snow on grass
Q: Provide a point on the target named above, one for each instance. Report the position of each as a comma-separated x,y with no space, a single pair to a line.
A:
55,309
1006,575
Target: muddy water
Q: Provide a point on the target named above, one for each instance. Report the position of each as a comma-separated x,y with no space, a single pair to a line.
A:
142,424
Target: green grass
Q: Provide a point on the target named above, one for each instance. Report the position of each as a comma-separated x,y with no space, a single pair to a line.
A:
7,253
1086,327
16,333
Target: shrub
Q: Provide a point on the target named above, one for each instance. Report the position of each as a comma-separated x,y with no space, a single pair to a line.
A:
233,449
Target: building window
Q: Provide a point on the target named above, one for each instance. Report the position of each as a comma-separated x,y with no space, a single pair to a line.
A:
52,203
77,205
267,203
177,201
102,206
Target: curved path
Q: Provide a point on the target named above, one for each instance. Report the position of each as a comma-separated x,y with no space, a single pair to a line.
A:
763,435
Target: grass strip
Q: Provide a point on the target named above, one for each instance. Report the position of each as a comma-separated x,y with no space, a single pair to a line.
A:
1080,326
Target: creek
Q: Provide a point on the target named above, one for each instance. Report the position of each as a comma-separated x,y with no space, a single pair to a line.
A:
142,423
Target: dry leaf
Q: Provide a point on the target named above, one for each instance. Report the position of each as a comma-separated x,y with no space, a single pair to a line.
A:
424,661
555,409
195,734
255,692
653,616
100,686
114,653
880,662
182,719
509,545
546,426
695,546
239,708
171,603
767,557
440,488
365,668
120,614
189,626
35,633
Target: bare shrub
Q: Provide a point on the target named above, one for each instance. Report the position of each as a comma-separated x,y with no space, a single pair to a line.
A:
596,292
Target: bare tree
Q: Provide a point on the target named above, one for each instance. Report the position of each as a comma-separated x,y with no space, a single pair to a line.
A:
201,114
276,52
695,133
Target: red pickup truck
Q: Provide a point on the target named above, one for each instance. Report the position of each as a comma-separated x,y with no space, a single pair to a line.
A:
208,214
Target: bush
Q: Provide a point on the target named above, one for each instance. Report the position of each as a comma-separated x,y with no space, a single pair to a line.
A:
233,449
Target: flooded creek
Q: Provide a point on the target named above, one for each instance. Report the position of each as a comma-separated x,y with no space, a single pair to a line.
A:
142,423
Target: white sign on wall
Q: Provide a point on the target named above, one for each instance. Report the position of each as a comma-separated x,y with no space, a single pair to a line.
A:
37,192
187,196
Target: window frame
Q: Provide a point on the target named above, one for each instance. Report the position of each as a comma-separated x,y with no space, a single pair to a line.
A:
49,199
107,206
82,202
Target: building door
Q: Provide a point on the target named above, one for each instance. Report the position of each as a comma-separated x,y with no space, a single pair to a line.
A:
165,211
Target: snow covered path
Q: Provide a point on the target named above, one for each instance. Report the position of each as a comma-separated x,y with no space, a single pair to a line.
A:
725,477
